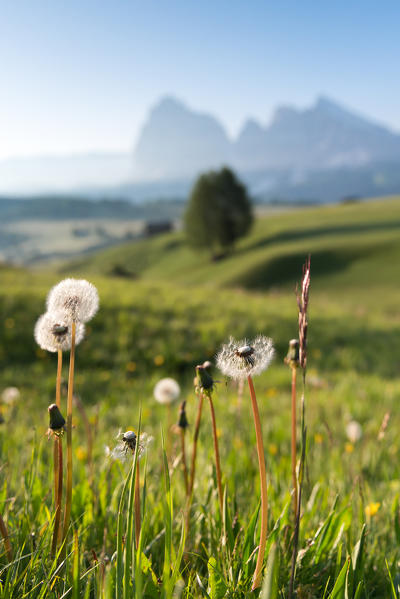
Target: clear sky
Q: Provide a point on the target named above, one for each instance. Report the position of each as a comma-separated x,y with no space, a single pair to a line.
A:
81,75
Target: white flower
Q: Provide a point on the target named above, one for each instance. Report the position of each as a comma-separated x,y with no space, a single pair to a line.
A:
76,297
53,332
240,359
167,391
354,431
126,447
10,395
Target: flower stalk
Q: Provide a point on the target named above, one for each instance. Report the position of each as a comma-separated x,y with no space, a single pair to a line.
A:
263,485
68,492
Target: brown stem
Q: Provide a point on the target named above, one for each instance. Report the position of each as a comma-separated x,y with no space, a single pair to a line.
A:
263,484
294,443
137,505
58,445
184,465
68,494
6,539
216,451
56,454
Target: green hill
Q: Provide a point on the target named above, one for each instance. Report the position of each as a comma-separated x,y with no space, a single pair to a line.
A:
349,243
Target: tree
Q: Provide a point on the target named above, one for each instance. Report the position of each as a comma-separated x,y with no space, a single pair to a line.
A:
218,213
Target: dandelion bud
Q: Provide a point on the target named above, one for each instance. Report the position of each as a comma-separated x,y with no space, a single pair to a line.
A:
57,421
183,422
292,358
204,379
77,298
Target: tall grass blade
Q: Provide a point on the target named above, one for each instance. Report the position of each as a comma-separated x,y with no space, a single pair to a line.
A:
270,587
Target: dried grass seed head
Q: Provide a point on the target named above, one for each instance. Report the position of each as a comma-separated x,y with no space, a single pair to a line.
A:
53,332
240,359
76,297
166,391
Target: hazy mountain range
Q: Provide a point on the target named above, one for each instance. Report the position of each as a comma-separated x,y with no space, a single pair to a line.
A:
297,148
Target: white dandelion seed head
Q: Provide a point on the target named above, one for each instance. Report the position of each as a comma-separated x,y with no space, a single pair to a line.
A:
10,395
240,359
125,449
76,297
354,431
166,391
53,332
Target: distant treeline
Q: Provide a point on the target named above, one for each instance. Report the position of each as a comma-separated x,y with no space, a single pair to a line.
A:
64,208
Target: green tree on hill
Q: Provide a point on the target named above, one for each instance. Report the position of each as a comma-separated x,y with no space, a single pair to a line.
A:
218,213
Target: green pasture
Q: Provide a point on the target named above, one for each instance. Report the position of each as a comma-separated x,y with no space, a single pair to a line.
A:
169,309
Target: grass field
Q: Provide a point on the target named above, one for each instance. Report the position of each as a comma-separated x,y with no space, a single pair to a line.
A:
171,310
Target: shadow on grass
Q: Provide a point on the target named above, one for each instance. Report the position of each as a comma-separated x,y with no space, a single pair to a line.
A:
284,270
312,232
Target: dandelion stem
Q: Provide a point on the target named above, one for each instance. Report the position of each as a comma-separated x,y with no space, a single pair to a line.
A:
294,442
216,451
58,446
58,462
263,484
137,505
6,539
184,465
68,494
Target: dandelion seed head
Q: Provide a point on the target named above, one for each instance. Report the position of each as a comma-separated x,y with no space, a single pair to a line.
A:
354,431
166,391
53,332
76,297
10,395
240,359
127,446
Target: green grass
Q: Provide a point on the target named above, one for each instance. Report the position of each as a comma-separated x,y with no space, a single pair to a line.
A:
173,315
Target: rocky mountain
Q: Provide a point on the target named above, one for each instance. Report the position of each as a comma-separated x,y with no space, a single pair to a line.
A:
177,142
323,136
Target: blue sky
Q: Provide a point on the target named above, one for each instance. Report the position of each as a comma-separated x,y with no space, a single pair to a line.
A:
81,75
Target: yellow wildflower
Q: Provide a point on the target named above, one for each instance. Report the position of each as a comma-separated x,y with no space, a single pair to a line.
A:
349,447
318,438
372,508
159,360
273,449
81,453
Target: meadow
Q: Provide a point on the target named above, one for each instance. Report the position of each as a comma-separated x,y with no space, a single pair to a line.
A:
172,310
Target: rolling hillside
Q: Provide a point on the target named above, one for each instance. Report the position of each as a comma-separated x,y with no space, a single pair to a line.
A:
353,246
